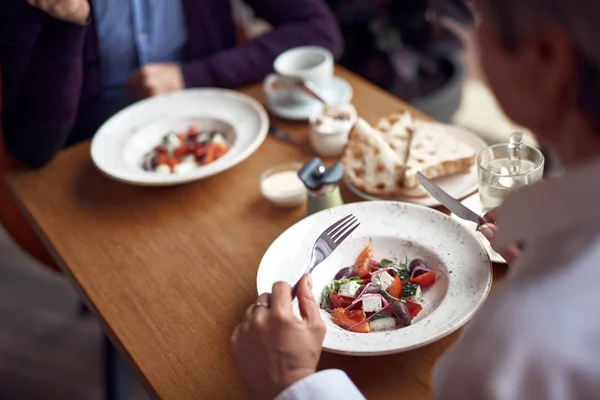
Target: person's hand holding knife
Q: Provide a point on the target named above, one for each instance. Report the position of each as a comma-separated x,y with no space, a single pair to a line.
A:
490,229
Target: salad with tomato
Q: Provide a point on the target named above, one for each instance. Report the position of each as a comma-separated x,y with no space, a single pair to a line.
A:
182,152
377,295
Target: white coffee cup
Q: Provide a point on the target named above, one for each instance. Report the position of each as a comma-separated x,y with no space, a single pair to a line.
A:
312,63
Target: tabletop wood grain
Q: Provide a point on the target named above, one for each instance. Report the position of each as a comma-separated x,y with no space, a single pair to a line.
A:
169,271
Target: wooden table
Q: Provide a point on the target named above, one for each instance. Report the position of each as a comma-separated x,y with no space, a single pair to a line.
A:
169,271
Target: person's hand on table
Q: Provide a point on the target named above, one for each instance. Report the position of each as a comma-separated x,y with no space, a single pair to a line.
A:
488,230
271,348
73,11
154,79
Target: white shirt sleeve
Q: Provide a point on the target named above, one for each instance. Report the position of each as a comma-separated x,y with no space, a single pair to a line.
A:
330,384
517,349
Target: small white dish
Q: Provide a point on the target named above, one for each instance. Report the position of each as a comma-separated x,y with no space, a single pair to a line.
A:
329,129
298,106
458,186
282,187
120,144
396,230
474,203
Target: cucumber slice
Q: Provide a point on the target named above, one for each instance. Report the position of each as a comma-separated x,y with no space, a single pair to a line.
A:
382,324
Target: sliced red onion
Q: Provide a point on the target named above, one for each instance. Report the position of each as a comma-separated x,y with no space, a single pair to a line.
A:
417,269
369,318
365,289
357,299
374,263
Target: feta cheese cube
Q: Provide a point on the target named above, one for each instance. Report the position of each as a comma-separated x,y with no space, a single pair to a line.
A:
172,140
187,165
219,139
383,279
371,304
163,169
349,289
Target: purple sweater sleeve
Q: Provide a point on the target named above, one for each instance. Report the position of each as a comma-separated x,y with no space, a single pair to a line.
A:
295,23
41,80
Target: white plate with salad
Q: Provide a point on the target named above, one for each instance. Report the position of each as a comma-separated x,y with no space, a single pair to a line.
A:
408,276
180,137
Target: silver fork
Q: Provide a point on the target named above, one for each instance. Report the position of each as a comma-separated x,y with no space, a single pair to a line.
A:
329,240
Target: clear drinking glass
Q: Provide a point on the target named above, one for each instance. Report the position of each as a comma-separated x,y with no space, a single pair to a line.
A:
494,177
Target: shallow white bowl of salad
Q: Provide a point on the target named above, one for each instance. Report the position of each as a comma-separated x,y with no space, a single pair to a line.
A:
179,137
426,276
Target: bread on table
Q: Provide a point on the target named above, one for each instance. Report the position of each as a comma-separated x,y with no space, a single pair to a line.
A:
370,163
398,131
384,160
436,154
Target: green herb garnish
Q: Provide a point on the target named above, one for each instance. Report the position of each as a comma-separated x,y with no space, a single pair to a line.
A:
400,269
405,264
336,284
325,297
409,289
402,273
389,296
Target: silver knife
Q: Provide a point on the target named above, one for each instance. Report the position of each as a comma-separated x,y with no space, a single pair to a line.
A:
450,202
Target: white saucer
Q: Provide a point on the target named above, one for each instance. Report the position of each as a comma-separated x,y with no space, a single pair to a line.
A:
300,109
474,203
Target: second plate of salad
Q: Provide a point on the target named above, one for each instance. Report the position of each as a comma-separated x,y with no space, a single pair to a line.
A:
408,276
179,137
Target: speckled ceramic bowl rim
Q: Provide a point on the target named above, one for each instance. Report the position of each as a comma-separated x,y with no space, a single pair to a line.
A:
296,242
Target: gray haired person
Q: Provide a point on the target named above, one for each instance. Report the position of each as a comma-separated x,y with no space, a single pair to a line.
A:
538,335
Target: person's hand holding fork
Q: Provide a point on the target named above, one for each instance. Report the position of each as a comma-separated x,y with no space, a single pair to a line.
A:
271,348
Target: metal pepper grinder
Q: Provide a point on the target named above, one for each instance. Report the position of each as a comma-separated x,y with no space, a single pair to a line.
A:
322,184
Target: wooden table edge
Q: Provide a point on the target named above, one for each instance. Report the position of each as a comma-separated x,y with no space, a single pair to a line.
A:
104,326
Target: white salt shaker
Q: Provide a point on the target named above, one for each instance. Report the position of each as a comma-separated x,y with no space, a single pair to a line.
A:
329,129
